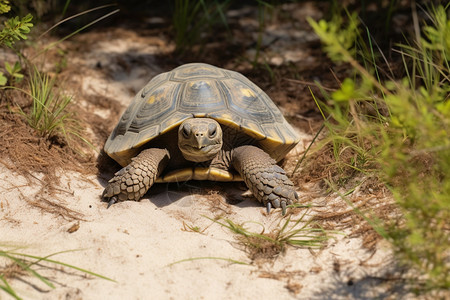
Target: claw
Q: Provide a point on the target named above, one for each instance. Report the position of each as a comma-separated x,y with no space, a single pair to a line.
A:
276,203
283,208
111,202
269,206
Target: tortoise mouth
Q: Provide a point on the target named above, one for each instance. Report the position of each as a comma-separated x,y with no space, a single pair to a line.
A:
204,148
200,154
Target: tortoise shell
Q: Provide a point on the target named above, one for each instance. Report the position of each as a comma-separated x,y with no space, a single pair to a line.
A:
200,90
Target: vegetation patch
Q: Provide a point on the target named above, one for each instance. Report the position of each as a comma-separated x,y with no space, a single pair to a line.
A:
268,245
398,130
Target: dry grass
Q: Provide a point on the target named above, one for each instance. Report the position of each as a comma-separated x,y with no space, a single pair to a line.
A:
366,194
39,159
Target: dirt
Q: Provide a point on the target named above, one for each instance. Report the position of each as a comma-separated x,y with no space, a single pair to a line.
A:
46,182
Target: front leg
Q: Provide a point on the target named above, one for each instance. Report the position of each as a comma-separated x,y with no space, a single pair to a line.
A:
267,181
134,180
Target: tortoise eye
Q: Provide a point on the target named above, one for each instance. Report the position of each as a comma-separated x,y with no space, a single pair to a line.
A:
212,130
186,130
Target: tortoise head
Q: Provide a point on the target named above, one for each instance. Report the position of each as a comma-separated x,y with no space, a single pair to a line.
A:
199,139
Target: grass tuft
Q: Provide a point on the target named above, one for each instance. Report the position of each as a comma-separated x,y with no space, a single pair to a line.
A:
49,113
296,233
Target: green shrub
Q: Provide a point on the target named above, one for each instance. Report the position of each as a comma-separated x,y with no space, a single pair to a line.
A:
398,129
14,29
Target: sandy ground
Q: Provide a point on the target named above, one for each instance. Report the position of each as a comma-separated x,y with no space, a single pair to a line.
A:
137,243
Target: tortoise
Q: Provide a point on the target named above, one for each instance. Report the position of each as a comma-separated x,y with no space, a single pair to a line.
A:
201,122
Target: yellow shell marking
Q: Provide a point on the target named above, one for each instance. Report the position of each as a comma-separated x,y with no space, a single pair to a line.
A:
151,99
247,93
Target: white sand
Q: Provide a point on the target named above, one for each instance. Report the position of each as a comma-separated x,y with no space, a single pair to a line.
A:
134,243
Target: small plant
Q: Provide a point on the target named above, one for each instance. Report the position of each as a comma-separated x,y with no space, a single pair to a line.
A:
48,114
22,264
296,233
14,74
192,228
15,29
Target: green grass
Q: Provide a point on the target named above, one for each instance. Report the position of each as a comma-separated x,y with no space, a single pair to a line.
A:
289,232
23,264
398,129
48,114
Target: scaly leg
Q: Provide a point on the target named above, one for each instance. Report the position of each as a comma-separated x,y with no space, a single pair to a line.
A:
134,180
267,181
